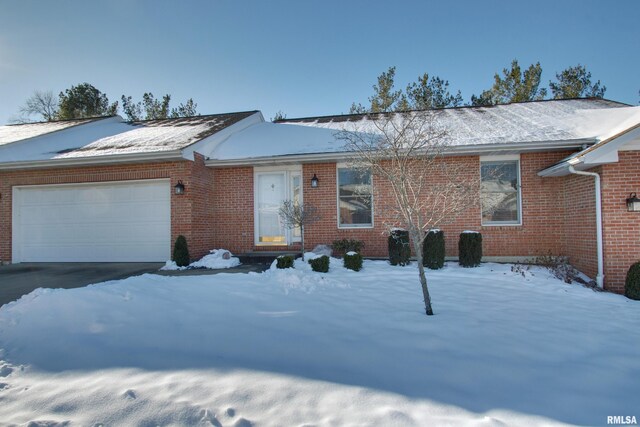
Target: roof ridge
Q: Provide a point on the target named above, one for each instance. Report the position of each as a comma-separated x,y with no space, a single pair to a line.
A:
461,107
194,117
46,122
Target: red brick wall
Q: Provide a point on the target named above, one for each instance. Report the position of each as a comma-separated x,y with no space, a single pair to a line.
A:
543,212
621,228
194,175
233,209
579,223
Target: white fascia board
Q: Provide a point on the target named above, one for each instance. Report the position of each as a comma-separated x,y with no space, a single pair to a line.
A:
95,160
454,151
603,153
208,144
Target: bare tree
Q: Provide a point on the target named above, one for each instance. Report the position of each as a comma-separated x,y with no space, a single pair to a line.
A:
406,152
43,105
296,215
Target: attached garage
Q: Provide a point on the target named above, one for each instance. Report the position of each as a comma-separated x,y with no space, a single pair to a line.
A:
127,221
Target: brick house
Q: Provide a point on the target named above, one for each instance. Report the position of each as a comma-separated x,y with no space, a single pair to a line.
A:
107,190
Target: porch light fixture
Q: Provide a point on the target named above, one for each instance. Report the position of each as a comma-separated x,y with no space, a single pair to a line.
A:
633,203
179,188
315,180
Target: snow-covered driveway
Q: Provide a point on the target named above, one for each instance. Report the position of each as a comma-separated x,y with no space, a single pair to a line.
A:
289,347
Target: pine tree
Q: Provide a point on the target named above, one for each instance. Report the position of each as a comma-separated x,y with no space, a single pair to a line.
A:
151,108
575,82
385,99
428,93
513,86
84,100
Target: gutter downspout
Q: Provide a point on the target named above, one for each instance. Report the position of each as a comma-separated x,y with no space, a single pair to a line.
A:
600,276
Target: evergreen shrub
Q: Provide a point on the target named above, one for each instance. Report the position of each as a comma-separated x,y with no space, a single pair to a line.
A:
470,249
632,284
353,261
433,250
284,261
399,249
181,252
320,264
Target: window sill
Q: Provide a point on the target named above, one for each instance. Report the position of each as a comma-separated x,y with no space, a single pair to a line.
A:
355,227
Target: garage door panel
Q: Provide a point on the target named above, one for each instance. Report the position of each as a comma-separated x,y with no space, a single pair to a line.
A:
114,222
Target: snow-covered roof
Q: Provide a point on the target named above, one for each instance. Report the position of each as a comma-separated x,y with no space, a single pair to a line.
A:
273,139
111,137
524,125
19,132
539,121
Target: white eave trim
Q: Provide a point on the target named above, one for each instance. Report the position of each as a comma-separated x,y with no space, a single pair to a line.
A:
95,160
454,151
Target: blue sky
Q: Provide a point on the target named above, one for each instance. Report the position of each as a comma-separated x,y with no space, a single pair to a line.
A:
305,58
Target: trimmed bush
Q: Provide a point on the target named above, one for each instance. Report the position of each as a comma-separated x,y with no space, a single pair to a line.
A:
285,261
347,245
632,284
353,261
181,252
470,249
399,249
433,250
320,264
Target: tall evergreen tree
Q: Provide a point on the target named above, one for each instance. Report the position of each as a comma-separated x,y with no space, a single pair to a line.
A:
431,92
84,100
151,108
426,93
513,86
575,82
385,98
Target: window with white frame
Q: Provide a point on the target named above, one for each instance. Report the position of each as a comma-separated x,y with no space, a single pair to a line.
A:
355,198
500,192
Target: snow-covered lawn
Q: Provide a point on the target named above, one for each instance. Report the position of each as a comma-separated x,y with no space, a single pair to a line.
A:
293,347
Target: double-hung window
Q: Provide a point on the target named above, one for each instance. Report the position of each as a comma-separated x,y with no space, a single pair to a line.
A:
500,191
355,198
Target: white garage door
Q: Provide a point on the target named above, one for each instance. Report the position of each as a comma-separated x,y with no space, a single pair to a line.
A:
110,222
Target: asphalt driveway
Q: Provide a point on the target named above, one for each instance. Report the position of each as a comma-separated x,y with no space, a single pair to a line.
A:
17,280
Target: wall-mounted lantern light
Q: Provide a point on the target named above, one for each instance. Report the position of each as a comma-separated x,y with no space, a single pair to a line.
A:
633,203
179,188
314,181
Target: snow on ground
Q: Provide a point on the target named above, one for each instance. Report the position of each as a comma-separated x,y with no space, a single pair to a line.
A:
293,347
216,259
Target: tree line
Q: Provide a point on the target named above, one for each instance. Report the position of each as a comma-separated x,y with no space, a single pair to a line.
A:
513,85
85,100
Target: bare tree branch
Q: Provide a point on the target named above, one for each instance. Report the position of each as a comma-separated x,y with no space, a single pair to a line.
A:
43,105
406,152
295,215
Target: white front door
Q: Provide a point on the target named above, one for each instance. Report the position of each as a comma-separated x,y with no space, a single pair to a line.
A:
272,188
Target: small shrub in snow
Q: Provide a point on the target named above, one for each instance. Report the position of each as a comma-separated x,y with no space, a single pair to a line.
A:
353,261
632,284
521,269
284,261
470,249
181,252
320,264
559,266
433,250
347,245
399,249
